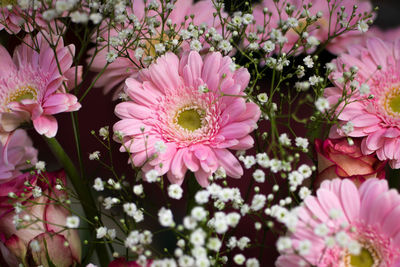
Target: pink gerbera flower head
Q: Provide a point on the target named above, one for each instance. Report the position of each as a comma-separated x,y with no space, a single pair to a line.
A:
127,66
34,84
180,104
321,29
345,226
374,109
16,154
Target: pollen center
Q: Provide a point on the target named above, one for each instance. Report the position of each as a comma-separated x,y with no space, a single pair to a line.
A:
4,3
27,92
189,118
364,259
392,102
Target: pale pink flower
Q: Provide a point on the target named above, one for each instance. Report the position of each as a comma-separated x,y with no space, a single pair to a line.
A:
14,154
369,216
32,86
45,227
197,127
376,119
325,27
124,67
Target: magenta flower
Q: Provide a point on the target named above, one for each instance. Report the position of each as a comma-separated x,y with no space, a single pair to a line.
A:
322,28
14,155
27,245
181,103
32,86
364,220
376,119
124,67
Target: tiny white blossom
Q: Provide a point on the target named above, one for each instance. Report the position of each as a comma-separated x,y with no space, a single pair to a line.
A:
175,191
301,142
304,247
130,209
284,139
37,192
160,147
72,222
308,62
259,176
79,17
268,46
225,46
304,192
314,79
322,104
35,246
195,45
111,56
364,89
98,184
101,232
165,217
138,189
95,155
160,48
40,166
321,230
347,128
247,19
151,176
362,26
96,18
239,259
263,97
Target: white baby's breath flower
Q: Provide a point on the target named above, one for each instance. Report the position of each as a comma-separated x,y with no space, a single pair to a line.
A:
95,155
98,184
175,191
151,176
308,62
160,147
37,192
322,104
111,56
96,18
165,217
40,166
101,232
138,189
72,222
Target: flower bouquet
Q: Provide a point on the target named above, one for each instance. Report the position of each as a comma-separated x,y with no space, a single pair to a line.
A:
198,133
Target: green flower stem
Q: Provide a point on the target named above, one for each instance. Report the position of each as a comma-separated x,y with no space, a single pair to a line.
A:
83,191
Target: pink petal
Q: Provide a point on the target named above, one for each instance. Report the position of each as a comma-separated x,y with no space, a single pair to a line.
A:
46,125
350,200
229,162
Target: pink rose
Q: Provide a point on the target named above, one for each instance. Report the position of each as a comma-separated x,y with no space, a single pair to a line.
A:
338,159
33,244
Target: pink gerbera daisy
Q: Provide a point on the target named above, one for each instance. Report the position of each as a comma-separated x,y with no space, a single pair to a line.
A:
124,67
346,227
34,85
374,113
181,103
15,155
322,28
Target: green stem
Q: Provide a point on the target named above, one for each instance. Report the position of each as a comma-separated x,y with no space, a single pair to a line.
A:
83,191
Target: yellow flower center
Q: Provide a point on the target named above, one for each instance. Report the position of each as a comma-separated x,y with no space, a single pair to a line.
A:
27,92
392,102
368,257
4,3
189,118
364,259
